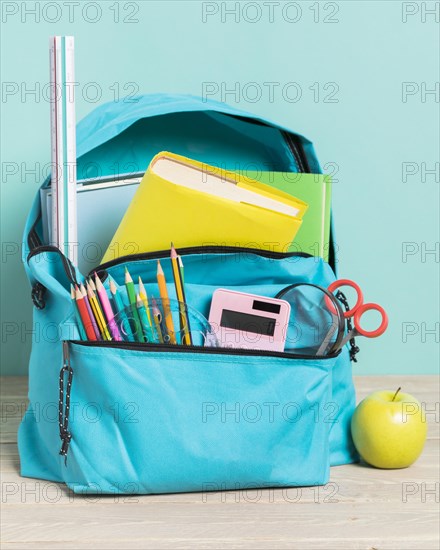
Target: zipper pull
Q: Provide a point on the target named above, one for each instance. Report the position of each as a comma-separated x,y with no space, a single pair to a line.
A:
354,349
67,437
64,402
66,354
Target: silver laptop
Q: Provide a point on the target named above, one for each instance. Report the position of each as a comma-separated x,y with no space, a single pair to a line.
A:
101,204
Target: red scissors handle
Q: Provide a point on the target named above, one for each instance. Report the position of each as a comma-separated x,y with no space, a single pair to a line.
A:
372,333
360,298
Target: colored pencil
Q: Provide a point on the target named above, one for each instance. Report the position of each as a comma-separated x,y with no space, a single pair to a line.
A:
120,312
157,316
98,301
79,322
99,316
84,315
163,291
89,309
144,298
131,293
182,271
95,291
94,310
106,306
180,293
147,329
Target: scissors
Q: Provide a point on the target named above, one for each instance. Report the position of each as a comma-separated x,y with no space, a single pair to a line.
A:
357,311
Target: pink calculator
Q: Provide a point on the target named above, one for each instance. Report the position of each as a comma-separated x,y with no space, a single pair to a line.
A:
241,320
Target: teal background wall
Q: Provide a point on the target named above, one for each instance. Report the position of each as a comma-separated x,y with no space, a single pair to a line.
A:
366,92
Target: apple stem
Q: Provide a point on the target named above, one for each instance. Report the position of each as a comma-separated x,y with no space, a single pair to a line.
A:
395,395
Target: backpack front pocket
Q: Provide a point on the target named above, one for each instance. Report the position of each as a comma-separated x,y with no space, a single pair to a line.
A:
147,420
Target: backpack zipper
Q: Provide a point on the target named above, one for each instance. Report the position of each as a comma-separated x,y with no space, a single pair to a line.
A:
102,269
295,146
293,142
33,239
177,348
68,267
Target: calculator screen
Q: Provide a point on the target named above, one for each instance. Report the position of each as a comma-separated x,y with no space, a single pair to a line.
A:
247,322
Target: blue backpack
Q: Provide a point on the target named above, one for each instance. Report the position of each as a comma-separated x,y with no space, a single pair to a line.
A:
108,417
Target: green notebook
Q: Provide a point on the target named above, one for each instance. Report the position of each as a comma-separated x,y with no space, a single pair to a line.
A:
315,189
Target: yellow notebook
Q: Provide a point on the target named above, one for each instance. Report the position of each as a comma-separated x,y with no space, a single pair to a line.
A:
194,204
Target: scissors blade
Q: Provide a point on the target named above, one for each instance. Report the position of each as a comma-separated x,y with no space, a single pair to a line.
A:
351,334
323,348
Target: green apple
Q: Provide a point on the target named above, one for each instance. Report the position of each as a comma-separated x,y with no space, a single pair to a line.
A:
389,429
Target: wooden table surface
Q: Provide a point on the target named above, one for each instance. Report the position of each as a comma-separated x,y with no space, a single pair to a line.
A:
361,507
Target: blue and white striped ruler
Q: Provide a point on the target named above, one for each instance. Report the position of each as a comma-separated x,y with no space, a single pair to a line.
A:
63,142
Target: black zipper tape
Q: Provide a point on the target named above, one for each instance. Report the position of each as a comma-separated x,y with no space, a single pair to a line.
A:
67,264
297,149
33,239
177,348
293,141
101,269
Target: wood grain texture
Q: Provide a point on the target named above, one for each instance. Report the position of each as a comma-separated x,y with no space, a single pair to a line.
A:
360,508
